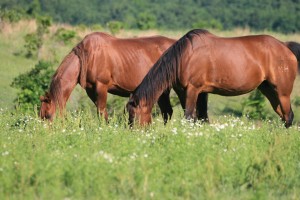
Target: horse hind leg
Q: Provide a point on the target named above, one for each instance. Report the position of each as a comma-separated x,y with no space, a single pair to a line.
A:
101,99
165,106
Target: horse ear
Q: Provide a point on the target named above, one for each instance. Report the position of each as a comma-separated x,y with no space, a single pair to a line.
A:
45,99
42,98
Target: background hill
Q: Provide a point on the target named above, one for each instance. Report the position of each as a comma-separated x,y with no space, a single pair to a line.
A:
276,15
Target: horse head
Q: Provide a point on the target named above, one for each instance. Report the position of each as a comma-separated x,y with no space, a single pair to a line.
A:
47,110
139,111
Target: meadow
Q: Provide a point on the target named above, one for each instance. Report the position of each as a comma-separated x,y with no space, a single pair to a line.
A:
82,157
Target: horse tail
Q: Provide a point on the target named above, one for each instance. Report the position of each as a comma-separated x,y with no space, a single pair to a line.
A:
165,72
79,51
295,48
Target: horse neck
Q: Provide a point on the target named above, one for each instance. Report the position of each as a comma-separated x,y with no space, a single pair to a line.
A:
65,80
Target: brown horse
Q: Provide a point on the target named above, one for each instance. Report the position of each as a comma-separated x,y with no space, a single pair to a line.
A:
201,63
101,63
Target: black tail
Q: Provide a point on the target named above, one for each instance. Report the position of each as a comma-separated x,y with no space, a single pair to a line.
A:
164,72
295,48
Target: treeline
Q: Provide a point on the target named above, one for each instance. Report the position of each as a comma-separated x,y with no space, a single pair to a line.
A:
276,15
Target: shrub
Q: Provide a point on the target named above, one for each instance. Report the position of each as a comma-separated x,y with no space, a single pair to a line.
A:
115,26
146,21
11,16
32,44
297,101
34,41
65,35
254,106
33,83
213,23
96,27
43,23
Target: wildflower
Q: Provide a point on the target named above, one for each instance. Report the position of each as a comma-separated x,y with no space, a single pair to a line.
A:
151,194
133,156
222,126
199,134
174,130
106,156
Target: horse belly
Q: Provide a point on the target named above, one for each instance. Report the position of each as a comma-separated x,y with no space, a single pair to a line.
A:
118,91
233,85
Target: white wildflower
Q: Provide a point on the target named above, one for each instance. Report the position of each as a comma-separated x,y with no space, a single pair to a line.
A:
174,130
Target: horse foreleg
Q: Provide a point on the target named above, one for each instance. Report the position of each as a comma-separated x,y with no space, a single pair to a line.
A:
181,95
165,106
190,103
201,108
101,98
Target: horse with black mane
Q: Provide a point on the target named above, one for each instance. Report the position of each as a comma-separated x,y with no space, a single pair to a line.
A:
200,63
101,63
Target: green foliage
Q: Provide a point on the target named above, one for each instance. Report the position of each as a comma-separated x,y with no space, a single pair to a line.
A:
297,101
43,24
32,44
33,83
254,106
34,8
146,21
115,26
11,16
34,41
279,15
96,27
208,24
65,35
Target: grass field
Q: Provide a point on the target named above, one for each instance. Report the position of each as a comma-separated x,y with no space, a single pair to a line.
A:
80,157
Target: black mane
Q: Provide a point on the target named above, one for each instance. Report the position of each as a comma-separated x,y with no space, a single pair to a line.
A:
164,73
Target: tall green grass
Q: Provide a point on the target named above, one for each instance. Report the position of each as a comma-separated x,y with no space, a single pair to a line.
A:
81,157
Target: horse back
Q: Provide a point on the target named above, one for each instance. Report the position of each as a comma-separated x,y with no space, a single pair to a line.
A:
237,62
114,61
